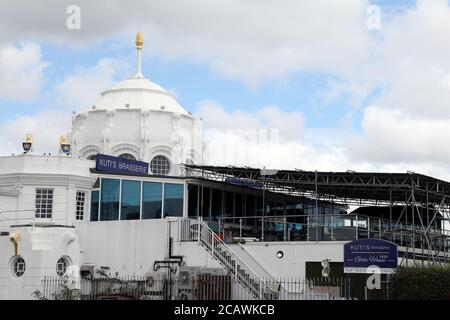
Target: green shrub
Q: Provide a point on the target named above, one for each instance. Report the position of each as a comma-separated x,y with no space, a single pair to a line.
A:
421,283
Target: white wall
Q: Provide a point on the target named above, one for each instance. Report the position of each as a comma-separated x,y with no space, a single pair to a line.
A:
40,248
295,255
21,175
129,247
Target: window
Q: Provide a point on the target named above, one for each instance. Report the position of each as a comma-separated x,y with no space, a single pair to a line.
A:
109,208
44,203
61,266
127,156
250,209
229,204
205,202
160,165
193,200
19,266
92,157
131,200
151,200
216,203
94,205
238,207
79,206
173,200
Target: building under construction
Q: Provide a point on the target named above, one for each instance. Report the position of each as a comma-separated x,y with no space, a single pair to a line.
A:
409,209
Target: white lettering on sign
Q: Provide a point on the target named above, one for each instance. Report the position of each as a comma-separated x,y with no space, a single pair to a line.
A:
108,163
132,167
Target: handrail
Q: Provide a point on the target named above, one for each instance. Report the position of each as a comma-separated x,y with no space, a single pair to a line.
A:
235,257
227,247
259,263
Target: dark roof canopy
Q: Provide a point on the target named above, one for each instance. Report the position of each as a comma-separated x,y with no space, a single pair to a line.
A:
347,187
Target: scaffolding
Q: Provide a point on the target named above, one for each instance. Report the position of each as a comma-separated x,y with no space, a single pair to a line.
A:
425,201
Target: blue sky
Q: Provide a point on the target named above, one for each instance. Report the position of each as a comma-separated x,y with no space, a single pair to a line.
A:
361,97
192,82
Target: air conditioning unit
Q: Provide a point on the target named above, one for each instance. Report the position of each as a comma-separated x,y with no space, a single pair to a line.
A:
186,276
154,281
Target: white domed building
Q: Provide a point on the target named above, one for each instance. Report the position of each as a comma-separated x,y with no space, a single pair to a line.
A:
138,119
67,214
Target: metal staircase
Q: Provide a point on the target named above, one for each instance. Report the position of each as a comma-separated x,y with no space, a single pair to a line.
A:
236,267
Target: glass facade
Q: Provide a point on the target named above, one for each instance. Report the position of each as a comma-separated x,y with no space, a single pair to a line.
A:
152,200
231,205
94,205
204,202
193,200
173,200
109,208
216,203
131,200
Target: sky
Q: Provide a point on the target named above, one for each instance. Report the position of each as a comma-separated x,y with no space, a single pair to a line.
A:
319,84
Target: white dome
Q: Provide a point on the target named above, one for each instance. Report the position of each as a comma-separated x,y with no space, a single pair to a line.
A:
138,119
138,93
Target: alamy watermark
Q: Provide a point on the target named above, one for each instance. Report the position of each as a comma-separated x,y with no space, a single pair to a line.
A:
73,21
374,17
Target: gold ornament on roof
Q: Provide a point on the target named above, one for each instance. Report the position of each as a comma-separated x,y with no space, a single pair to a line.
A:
29,138
62,140
139,40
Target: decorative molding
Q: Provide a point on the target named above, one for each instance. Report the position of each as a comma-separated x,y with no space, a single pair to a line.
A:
161,149
48,180
130,148
89,150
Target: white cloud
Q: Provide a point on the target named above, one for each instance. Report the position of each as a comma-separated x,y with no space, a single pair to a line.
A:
267,137
247,40
289,125
46,128
392,136
391,142
79,90
405,127
21,71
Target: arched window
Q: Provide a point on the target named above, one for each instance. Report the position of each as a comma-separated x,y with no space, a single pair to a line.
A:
61,266
92,157
127,156
19,266
160,165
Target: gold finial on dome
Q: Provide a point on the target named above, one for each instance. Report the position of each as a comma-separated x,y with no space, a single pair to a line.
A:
29,138
139,40
139,43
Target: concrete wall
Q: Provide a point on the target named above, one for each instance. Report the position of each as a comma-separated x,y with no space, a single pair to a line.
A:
295,255
128,247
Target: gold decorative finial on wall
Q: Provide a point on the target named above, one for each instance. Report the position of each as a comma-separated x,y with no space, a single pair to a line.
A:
62,140
139,40
15,239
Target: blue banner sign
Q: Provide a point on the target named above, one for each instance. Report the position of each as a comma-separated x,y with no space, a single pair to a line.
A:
244,183
120,165
370,256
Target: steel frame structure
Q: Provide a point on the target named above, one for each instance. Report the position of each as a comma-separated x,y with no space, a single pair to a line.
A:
423,197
